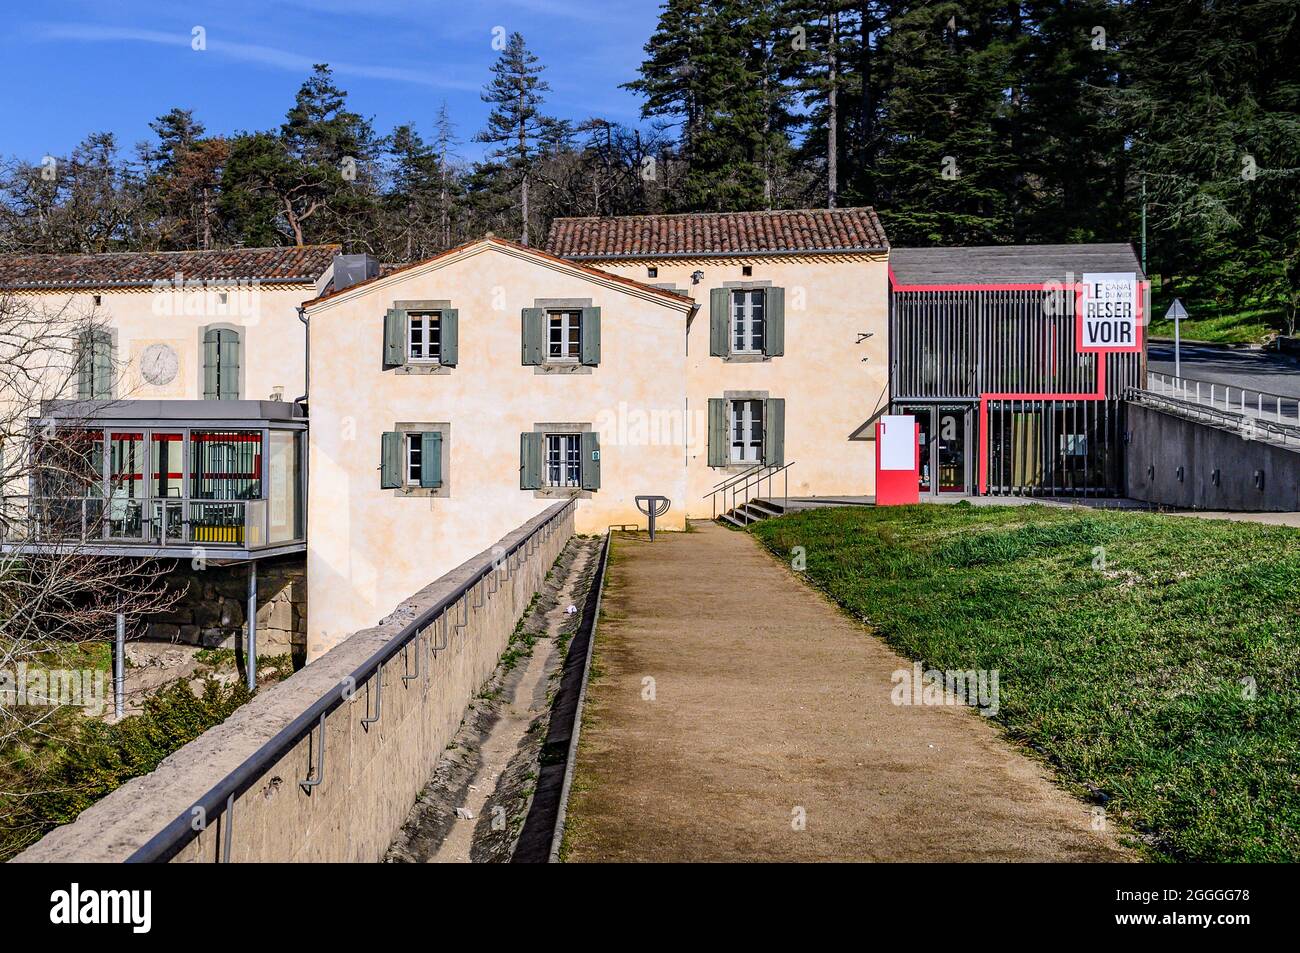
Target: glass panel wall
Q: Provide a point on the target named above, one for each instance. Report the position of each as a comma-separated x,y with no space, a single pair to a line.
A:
169,486
226,466
285,520
126,485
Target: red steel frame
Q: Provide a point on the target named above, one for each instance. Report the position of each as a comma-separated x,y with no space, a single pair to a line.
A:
1099,394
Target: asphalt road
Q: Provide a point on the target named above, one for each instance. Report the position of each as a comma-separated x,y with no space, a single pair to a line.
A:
1265,371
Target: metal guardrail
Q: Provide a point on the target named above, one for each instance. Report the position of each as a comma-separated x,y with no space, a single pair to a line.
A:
738,486
173,838
1276,407
168,521
1248,425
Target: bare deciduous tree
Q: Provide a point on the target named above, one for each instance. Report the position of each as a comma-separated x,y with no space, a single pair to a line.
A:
56,591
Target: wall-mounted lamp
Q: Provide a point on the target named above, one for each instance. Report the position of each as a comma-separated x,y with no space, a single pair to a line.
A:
697,277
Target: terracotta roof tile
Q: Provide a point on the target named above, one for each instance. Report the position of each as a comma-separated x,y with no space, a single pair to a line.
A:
718,233
136,269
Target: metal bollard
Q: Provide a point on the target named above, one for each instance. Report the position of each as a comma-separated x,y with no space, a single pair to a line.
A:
652,507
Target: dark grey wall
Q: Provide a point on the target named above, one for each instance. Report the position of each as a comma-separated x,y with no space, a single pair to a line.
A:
1159,443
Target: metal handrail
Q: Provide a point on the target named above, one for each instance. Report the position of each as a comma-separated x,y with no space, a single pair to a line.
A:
249,521
737,476
1245,423
1215,394
173,838
740,483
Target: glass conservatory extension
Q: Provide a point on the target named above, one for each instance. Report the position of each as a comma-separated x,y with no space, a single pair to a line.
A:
223,479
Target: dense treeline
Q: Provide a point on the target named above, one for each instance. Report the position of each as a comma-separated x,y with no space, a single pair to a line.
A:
987,121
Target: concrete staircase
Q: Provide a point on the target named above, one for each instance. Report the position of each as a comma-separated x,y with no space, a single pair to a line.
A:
754,511
764,507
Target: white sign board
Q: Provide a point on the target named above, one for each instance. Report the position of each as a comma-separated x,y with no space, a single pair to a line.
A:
1109,312
898,442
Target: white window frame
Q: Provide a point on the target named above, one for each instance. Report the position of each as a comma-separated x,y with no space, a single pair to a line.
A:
424,330
570,327
562,460
748,327
413,462
745,414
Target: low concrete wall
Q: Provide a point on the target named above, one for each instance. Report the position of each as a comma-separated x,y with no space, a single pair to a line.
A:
1161,442
372,775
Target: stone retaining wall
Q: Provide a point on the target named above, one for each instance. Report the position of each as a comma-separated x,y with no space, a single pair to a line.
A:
209,610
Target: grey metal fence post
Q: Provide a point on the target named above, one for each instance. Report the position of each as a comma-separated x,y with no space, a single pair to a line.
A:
250,657
119,665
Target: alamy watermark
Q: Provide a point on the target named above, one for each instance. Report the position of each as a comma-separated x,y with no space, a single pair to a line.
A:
84,688
977,688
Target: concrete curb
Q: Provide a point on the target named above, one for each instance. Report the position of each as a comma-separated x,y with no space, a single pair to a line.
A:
572,758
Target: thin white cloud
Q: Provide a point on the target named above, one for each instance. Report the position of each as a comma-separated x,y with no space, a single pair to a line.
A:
249,53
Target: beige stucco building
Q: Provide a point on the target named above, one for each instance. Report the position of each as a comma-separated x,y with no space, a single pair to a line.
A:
381,524
823,275
453,399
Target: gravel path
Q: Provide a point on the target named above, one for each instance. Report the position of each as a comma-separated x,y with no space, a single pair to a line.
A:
736,714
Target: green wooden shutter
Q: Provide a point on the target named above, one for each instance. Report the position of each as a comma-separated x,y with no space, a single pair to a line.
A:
590,445
719,322
449,337
210,357
390,460
228,351
86,367
590,343
533,335
719,445
431,459
395,338
102,386
774,322
774,431
530,461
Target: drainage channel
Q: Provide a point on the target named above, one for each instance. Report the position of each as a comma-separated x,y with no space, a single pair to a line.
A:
496,793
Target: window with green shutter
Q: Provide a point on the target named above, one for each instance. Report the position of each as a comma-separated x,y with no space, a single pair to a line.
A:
530,460
719,322
95,365
774,322
220,364
430,470
392,446
590,333
450,337
591,461
719,444
395,337
774,432
533,336
412,460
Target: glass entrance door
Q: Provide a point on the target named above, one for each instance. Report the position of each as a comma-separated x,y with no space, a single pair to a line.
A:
951,433
945,432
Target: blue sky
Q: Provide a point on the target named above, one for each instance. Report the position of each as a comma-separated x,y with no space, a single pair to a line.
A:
75,66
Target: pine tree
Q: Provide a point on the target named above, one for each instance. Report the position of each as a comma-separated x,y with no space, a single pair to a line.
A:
516,124
314,181
184,173
1212,107
716,68
946,161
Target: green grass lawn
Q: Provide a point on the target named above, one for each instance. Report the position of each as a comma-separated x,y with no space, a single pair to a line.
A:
1216,324
1132,679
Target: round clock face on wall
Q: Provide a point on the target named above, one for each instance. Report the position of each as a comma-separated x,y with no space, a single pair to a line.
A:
159,364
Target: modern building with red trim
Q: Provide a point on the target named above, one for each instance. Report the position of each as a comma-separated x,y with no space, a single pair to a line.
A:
1014,393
